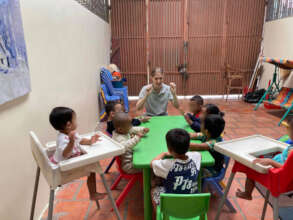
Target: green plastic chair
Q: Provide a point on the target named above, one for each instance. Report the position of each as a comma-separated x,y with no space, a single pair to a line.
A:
183,206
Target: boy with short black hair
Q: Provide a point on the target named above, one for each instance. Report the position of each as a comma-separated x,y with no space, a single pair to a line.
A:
211,130
180,173
192,118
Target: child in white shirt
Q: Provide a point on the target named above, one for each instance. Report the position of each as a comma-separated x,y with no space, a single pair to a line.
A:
180,173
128,136
63,119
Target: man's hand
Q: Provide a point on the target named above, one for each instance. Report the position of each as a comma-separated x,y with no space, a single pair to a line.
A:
173,88
94,139
149,90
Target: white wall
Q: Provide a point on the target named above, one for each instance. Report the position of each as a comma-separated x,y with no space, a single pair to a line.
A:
66,44
278,43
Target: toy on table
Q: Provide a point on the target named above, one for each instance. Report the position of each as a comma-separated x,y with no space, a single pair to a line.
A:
285,97
244,151
72,168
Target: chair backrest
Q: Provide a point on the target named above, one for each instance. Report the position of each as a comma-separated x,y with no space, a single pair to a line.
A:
106,78
105,90
283,181
41,158
184,205
224,169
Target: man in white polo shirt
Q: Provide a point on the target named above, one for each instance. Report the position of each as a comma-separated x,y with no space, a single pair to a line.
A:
155,97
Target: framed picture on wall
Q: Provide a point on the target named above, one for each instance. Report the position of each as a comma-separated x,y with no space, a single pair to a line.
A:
14,69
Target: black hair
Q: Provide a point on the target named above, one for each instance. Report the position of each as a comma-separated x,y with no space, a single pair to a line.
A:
178,140
198,99
110,107
156,70
213,109
215,125
59,117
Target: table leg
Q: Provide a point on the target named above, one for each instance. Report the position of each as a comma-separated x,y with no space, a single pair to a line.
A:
100,171
147,193
225,195
199,181
265,205
276,207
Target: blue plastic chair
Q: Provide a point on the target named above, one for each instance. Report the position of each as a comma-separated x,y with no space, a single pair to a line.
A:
106,78
108,97
214,183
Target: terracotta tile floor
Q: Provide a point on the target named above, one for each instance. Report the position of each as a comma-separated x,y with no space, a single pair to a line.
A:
72,199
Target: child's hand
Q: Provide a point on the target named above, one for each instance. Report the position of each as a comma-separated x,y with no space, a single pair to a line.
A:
146,130
181,112
145,119
263,161
140,134
193,135
71,135
167,154
139,137
186,117
94,139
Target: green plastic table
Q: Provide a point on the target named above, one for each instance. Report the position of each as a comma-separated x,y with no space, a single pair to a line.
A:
153,144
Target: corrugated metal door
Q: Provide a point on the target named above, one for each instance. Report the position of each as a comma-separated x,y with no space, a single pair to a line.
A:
128,26
166,34
154,32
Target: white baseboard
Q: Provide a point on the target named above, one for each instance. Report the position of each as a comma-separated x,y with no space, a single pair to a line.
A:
234,96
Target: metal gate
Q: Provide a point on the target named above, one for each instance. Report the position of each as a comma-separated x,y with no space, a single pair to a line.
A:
202,33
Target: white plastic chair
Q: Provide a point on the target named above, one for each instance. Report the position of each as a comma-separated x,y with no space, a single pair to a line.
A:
65,172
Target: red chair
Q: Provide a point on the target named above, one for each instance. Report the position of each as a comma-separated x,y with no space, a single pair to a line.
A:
132,179
277,181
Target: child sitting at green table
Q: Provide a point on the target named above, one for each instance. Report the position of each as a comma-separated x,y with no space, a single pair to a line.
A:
112,108
195,107
179,173
211,130
209,109
277,161
128,136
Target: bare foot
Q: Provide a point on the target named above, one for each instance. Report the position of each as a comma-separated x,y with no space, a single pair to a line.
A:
243,195
98,196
